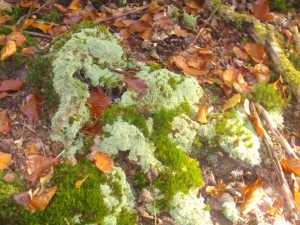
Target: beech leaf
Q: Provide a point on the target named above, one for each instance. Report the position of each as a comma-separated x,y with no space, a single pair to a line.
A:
17,37
5,124
75,5
40,202
11,85
260,9
37,166
5,160
291,166
256,51
98,101
103,161
41,26
233,101
32,107
9,49
136,84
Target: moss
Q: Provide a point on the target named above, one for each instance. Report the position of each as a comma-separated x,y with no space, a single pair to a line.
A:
261,32
16,14
11,65
53,16
39,77
30,41
266,95
140,180
5,30
189,20
69,202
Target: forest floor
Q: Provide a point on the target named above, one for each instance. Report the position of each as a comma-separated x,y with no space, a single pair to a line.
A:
206,47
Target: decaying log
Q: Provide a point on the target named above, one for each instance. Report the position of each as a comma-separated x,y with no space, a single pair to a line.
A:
264,34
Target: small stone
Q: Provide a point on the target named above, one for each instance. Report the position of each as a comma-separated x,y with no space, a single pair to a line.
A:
10,178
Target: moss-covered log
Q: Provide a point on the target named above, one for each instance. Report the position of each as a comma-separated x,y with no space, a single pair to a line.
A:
264,34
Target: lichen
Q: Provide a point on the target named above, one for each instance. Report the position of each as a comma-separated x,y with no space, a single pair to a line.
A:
230,211
123,136
234,133
187,209
166,90
189,20
87,51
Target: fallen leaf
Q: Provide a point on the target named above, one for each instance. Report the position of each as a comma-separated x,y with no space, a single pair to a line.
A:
291,166
23,198
45,180
288,34
3,39
147,34
252,194
181,33
4,19
260,9
5,124
256,51
41,26
202,112
92,129
138,26
233,101
28,51
5,160
80,182
32,107
40,202
193,7
37,166
31,4
6,6
98,101
27,23
60,8
258,127
103,161
240,54
9,49
56,31
155,8
262,73
166,23
296,134
75,5
73,18
3,94
216,191
135,84
31,149
11,85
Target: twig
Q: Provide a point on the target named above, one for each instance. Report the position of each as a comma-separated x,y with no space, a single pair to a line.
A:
285,189
276,133
36,11
296,36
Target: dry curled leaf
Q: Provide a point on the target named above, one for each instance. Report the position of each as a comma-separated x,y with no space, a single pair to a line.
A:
9,49
32,107
5,124
37,166
5,160
40,202
233,101
75,5
103,161
80,182
41,26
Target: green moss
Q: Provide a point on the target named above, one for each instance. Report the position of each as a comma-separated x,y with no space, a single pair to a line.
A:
11,65
39,77
16,13
5,30
284,5
53,16
189,20
30,41
261,32
140,180
266,95
69,202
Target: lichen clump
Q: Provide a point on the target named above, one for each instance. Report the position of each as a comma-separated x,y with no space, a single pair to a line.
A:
234,133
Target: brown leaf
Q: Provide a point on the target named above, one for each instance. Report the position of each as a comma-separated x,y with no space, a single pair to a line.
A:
32,107
28,51
3,95
258,128
193,7
5,160
256,51
37,166
3,39
288,34
98,101
11,85
181,33
56,31
103,161
262,73
166,23
202,112
75,5
73,18
9,49
138,26
260,9
60,8
216,191
40,202
31,4
31,149
92,129
4,19
80,182
135,84
291,166
240,54
5,125
147,34
27,23
252,194
41,26
154,7
276,207
23,198
233,101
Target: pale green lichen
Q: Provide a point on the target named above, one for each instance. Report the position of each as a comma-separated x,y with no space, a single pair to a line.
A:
122,136
230,211
189,210
166,90
87,51
189,20
234,133
184,131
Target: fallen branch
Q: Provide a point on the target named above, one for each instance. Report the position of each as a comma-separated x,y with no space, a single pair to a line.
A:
284,186
283,142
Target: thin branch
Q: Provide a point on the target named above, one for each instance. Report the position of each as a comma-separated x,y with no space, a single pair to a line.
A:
31,33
